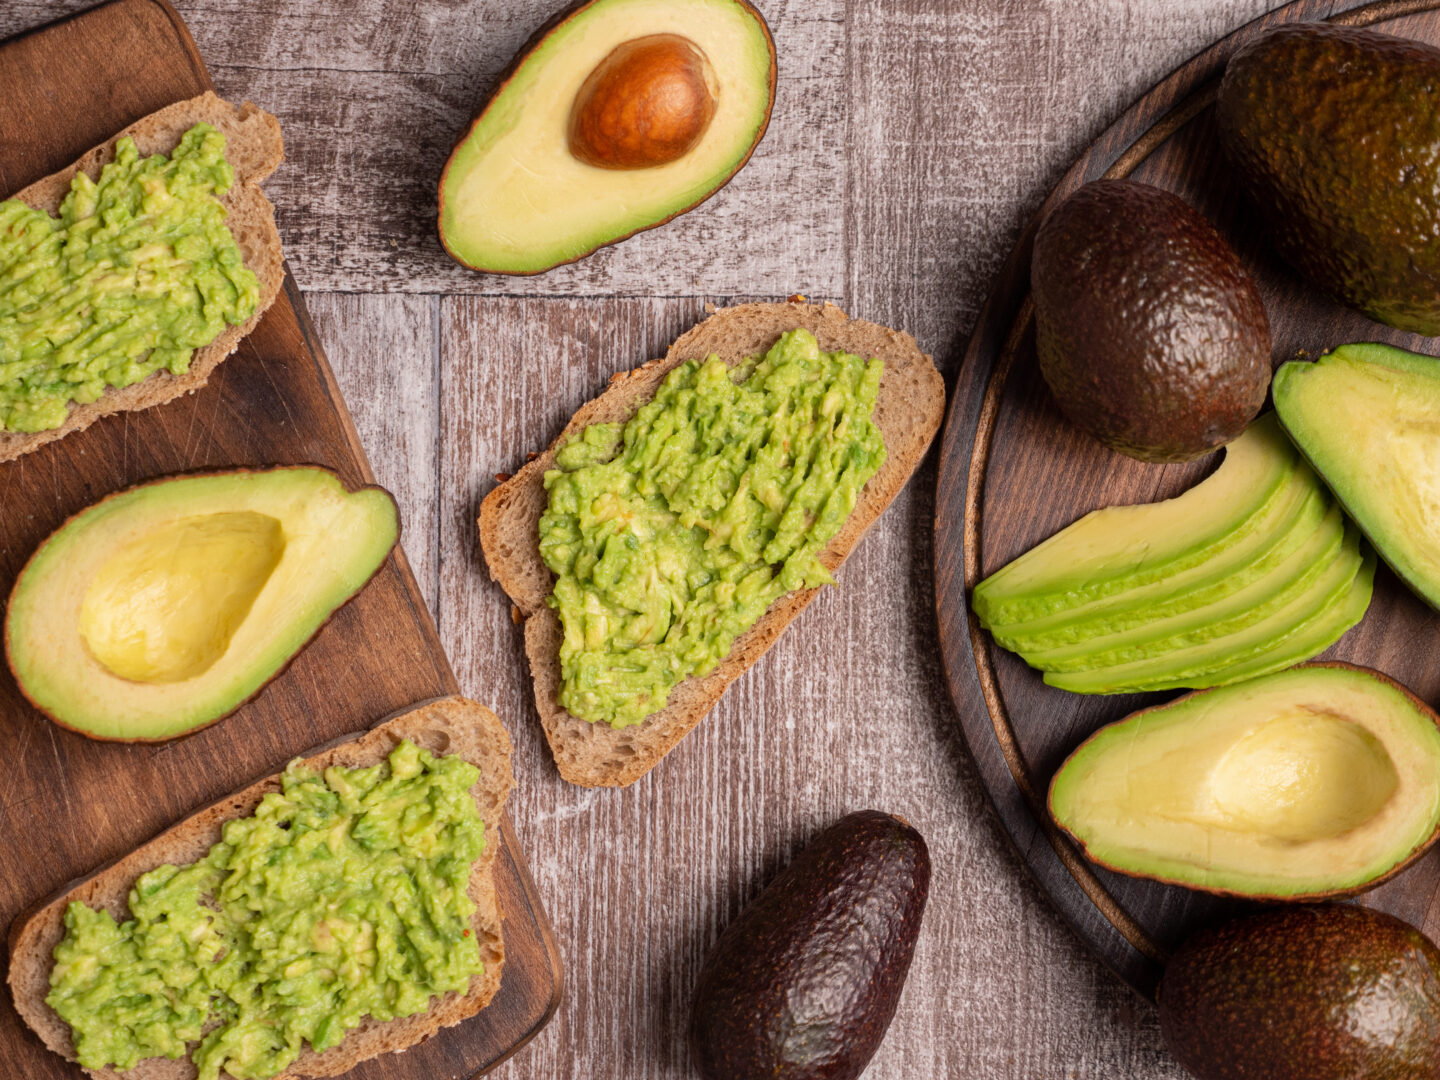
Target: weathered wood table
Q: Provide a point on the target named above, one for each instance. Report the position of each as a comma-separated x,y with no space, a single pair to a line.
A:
911,140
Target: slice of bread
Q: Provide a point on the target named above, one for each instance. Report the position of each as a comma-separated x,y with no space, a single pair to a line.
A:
254,148
909,410
444,726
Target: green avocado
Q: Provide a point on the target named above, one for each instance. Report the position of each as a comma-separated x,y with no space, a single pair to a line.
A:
1316,781
670,535
1253,558
137,272
1305,992
163,608
1150,332
344,896
1332,602
1169,634
1335,132
1111,552
804,983
616,117
1368,418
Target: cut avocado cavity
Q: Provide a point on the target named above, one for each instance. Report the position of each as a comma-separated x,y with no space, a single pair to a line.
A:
1368,419
1316,781
163,608
1249,571
618,117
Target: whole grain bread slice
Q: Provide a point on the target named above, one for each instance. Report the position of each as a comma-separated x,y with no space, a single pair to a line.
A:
254,148
909,410
450,725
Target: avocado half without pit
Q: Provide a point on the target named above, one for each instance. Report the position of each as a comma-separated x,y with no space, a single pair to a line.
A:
616,117
1318,781
163,608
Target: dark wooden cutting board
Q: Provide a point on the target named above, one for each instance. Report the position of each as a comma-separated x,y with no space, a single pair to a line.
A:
1013,471
69,804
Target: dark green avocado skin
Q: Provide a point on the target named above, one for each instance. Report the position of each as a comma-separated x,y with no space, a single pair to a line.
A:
1150,332
1335,132
1331,992
803,985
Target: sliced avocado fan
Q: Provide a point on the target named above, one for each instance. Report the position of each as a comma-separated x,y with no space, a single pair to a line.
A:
1317,781
1251,570
1368,419
161,609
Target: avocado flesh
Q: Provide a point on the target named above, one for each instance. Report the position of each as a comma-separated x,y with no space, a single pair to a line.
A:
514,200
1368,418
1251,559
1120,548
163,608
1322,613
1313,781
1241,609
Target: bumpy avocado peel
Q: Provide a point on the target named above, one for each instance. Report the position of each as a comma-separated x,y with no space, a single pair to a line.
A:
804,984
1332,992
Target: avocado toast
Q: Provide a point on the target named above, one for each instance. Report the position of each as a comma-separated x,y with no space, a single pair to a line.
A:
253,149
445,726
908,412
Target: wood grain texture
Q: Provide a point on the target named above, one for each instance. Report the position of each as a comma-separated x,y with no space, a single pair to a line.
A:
69,804
912,140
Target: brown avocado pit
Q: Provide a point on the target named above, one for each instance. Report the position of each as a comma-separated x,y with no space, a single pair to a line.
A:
647,103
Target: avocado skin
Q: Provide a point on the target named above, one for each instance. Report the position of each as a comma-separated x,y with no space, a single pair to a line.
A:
1150,333
1331,992
1335,133
804,984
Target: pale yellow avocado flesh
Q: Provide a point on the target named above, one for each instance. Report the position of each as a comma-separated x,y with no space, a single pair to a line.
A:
163,608
515,200
1313,781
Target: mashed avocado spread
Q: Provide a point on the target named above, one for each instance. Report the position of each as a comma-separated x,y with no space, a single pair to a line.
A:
136,273
670,535
343,896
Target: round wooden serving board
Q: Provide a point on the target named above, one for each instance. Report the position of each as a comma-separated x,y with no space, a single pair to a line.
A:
1013,471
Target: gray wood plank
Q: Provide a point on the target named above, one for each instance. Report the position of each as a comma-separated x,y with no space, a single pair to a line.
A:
385,352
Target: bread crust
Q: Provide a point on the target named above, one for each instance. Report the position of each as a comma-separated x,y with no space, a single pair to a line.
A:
908,411
445,725
254,148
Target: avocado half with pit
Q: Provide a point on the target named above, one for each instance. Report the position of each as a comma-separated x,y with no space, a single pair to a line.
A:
163,608
617,116
1318,781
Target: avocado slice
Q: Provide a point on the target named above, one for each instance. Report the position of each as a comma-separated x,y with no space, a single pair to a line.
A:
1333,131
1120,548
1305,992
1290,578
1368,418
1253,557
163,608
1321,780
616,117
1309,623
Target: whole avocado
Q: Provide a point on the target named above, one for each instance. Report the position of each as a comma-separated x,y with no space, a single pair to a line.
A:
804,984
1150,333
1335,132
1332,992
